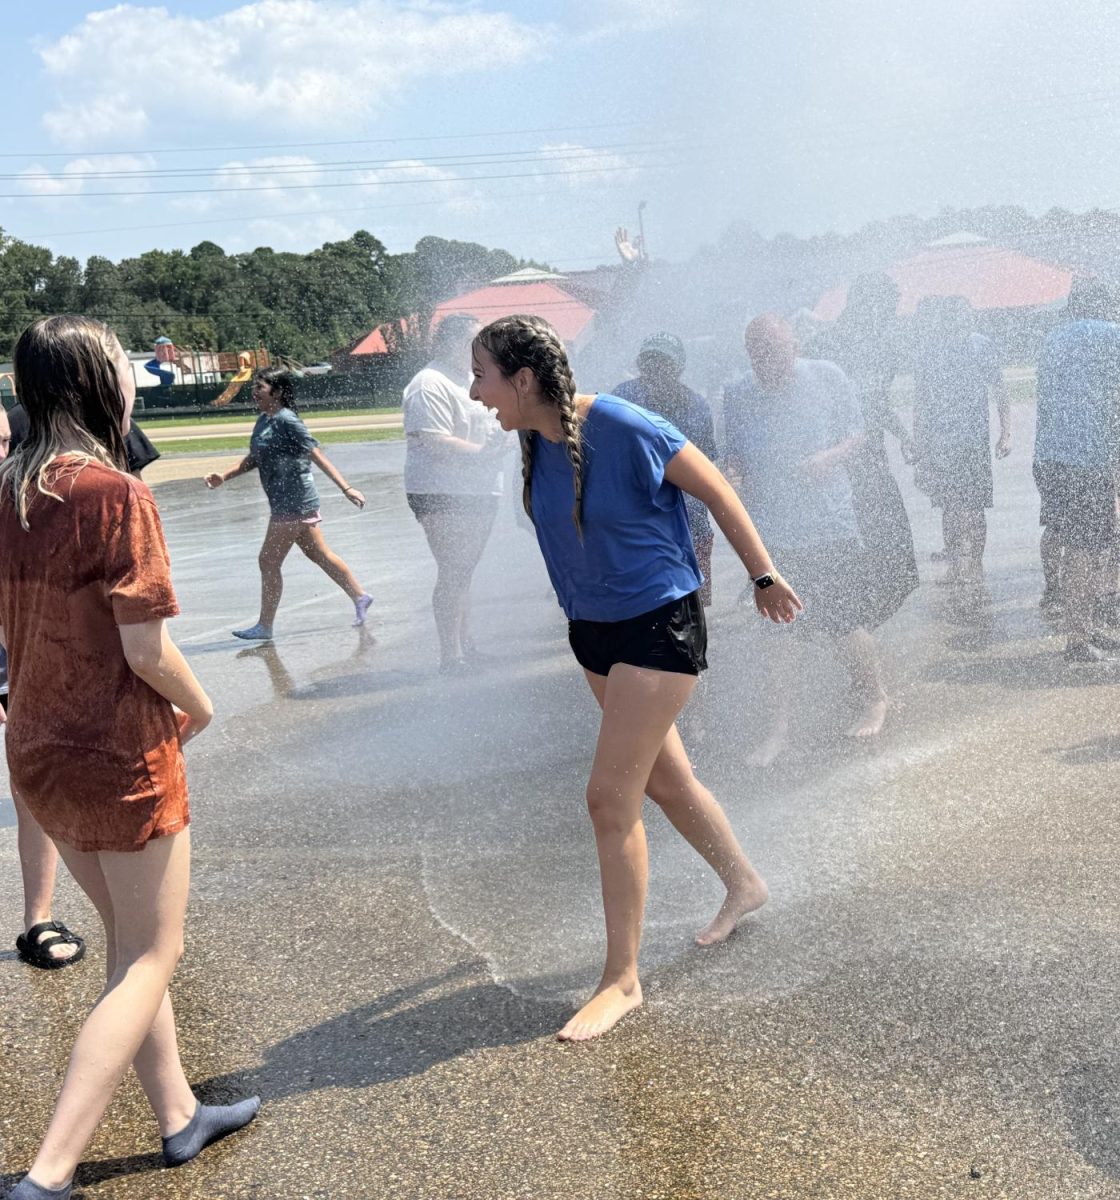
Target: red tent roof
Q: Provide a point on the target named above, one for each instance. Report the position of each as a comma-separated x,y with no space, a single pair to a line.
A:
988,276
568,316
375,342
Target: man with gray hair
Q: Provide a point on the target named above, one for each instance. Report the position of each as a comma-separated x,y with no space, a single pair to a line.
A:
793,426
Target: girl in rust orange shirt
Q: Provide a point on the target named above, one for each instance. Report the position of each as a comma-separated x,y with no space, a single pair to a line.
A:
85,588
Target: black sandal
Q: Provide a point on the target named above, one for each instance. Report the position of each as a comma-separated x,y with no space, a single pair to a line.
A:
37,953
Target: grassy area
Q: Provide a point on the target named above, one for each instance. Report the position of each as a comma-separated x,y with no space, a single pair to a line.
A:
328,437
195,416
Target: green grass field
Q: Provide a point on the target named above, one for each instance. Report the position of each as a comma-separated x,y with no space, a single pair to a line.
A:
327,437
194,416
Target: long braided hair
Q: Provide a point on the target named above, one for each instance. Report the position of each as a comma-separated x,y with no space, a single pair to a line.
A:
525,341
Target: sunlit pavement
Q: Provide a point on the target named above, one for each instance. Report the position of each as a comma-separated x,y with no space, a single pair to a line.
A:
396,900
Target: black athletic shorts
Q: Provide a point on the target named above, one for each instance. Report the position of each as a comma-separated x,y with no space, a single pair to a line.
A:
672,638
1078,503
430,504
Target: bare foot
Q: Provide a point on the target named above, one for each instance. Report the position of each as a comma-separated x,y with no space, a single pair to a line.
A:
870,723
602,1012
752,894
776,744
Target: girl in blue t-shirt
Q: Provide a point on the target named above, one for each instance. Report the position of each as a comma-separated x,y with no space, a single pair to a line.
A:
604,484
282,450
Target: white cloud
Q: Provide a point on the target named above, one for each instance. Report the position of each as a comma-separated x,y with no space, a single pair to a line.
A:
110,173
612,18
128,71
393,185
589,167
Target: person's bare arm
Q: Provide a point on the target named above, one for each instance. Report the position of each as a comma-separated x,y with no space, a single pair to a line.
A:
1003,408
822,464
449,446
331,472
694,473
217,478
154,657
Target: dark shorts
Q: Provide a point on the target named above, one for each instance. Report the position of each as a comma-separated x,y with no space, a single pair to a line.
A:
957,476
431,504
833,583
672,638
1078,504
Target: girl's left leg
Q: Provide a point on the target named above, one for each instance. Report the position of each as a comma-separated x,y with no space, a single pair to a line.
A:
639,708
696,815
314,545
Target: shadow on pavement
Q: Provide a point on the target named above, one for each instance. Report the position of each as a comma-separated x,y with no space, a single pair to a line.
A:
398,1035
1092,1101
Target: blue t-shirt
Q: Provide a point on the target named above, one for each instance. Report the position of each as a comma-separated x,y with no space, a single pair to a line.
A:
636,552
771,432
281,447
1078,392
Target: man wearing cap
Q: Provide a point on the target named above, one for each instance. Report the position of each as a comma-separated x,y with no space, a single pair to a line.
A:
658,388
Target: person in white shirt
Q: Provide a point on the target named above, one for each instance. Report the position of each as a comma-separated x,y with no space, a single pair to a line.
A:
453,479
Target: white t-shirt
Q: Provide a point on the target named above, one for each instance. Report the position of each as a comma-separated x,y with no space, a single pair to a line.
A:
435,407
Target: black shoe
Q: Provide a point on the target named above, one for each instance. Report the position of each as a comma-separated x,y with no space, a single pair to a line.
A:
1084,654
1102,641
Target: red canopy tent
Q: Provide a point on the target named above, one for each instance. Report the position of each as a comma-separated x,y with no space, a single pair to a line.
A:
987,276
567,315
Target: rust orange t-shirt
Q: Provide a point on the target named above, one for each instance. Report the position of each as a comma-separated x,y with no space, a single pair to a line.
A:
92,750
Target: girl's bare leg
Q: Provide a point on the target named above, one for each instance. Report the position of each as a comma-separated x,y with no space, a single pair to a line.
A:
311,541
143,897
698,818
639,708
38,863
279,538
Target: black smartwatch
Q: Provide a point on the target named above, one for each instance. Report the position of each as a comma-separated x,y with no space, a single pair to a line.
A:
763,581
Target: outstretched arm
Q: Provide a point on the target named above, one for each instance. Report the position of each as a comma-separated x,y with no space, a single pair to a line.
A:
331,472
217,478
697,475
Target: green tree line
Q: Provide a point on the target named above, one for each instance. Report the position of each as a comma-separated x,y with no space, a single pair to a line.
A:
299,305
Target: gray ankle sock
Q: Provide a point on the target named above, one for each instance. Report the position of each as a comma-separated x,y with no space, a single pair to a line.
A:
209,1123
28,1189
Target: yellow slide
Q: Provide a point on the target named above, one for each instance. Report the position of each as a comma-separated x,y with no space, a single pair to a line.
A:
245,373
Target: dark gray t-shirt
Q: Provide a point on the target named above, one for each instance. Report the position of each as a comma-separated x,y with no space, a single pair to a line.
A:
281,447
771,433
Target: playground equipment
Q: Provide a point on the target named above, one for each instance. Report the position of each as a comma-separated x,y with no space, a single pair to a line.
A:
162,366
245,363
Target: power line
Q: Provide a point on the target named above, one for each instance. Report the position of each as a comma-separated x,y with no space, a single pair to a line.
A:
285,187
439,137
497,158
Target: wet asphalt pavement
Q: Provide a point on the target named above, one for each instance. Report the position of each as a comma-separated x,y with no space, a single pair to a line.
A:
395,902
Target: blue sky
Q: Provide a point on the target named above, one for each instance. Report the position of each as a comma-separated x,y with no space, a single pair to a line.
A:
540,126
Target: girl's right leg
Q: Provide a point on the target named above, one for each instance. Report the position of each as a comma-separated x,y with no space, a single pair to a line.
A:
279,538
639,708
143,897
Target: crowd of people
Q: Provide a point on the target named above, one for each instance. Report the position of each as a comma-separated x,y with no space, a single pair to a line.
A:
621,488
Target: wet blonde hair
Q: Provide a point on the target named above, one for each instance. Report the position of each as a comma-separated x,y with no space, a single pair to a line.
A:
524,341
66,380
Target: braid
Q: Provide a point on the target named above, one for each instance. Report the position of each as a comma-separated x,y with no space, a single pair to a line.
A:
573,443
527,472
524,341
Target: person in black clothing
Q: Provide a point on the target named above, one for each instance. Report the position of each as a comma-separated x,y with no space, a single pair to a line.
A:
864,344
658,388
141,452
